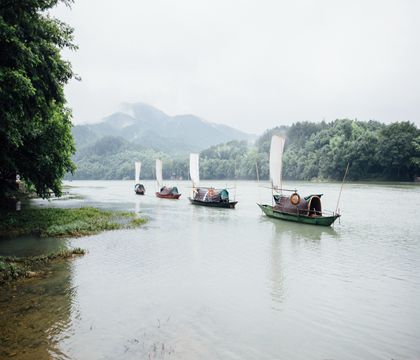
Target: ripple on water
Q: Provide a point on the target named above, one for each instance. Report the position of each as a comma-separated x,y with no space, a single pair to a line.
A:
232,284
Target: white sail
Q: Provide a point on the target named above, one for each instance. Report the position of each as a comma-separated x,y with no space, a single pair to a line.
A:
159,177
194,169
276,159
137,172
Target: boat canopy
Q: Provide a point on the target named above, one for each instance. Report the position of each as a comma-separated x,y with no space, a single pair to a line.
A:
211,195
224,194
169,190
309,205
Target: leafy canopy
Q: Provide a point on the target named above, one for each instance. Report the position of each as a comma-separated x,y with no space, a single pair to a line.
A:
35,125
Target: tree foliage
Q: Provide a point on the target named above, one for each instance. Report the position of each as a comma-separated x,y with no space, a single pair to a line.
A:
35,125
312,151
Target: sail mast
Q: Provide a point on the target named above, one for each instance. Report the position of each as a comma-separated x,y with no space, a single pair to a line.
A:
276,159
137,165
159,177
194,169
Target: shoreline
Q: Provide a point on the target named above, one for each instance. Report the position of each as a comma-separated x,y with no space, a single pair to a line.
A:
55,223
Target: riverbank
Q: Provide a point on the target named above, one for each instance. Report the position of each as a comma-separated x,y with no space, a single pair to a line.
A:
14,268
55,223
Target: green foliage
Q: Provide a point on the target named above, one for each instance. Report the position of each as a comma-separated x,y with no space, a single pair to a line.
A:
35,127
322,151
312,151
56,222
98,162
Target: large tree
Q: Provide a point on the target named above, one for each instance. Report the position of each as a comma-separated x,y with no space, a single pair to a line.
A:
35,124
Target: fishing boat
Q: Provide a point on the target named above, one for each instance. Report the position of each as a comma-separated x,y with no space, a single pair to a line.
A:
207,196
165,192
305,210
139,189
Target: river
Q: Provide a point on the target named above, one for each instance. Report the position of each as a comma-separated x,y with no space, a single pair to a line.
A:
203,283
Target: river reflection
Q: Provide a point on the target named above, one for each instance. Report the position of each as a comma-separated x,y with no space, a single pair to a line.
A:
35,314
202,283
288,234
284,229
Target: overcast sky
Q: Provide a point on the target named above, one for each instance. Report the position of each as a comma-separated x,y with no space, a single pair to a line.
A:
248,64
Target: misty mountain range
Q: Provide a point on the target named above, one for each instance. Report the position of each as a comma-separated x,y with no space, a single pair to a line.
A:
142,124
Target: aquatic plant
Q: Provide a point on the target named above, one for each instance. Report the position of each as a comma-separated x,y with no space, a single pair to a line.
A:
57,222
13,268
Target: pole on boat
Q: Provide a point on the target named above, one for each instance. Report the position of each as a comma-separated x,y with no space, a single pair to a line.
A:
258,175
342,184
272,193
234,196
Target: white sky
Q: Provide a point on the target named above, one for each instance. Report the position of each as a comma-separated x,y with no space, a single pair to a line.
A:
250,64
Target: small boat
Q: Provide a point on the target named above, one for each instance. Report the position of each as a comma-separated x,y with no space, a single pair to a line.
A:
139,189
205,196
305,210
165,192
168,193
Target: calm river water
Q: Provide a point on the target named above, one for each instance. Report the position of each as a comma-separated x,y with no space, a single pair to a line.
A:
202,283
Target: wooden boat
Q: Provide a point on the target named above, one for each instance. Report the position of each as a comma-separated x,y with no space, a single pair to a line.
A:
305,210
139,189
168,193
271,211
165,192
226,205
204,196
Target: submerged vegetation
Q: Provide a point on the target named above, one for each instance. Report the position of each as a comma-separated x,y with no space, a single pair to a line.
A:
55,222
13,268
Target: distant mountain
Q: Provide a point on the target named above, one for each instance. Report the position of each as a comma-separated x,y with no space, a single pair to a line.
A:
149,127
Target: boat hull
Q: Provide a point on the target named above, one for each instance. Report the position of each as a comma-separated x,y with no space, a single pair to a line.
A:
139,192
319,220
168,196
225,205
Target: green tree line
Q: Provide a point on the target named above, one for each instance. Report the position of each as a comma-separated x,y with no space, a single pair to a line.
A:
312,151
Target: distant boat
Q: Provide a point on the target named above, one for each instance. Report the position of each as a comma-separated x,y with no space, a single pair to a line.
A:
165,192
205,196
138,188
307,210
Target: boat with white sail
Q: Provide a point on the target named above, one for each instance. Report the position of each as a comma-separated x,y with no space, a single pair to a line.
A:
139,188
207,196
307,209
165,192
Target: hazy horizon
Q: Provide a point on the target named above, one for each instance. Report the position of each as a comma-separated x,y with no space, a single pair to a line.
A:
252,65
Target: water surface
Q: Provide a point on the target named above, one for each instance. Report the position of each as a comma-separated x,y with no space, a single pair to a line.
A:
209,283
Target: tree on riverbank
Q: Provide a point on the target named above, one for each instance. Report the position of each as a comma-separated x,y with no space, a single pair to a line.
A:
35,127
375,151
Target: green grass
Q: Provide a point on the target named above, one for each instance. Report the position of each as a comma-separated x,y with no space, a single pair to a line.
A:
57,222
13,268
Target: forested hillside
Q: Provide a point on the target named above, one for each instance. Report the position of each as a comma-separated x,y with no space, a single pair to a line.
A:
312,151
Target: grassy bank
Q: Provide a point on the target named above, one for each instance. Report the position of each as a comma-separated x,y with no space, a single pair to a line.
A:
13,268
55,222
